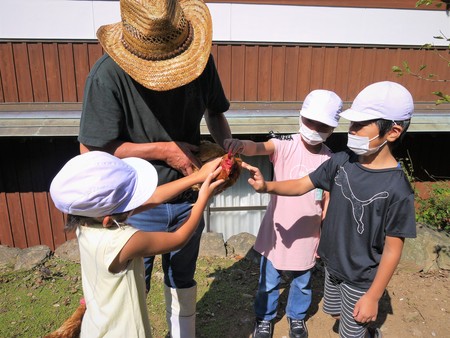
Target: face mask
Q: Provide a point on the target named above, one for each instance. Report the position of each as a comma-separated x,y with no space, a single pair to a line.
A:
312,137
360,145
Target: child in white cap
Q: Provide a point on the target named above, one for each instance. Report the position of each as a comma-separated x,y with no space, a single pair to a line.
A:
289,234
98,192
371,208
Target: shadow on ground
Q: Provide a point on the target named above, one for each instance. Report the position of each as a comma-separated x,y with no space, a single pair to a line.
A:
226,309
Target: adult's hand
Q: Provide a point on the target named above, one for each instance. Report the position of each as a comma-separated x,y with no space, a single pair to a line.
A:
179,155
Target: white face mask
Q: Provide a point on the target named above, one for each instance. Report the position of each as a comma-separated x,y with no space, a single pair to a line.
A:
360,144
312,137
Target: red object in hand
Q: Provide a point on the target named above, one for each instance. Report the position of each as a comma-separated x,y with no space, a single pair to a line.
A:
231,165
231,169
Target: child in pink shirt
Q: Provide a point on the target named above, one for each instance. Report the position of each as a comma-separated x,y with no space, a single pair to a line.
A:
289,234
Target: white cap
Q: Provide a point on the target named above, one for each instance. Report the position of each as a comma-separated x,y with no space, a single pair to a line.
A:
323,106
381,100
97,184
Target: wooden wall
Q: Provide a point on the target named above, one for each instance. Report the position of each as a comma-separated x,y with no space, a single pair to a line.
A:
400,4
48,71
28,216
56,71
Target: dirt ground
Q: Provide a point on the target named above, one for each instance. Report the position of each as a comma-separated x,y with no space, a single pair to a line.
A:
32,304
416,304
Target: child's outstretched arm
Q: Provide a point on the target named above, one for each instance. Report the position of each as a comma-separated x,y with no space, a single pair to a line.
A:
248,147
144,244
170,190
366,309
295,187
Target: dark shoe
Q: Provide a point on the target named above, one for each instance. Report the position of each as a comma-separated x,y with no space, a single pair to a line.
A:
297,328
263,329
374,332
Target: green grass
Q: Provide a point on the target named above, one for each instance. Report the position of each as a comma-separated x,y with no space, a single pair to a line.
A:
34,303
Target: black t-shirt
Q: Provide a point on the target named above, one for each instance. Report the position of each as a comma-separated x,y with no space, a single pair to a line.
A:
116,107
365,206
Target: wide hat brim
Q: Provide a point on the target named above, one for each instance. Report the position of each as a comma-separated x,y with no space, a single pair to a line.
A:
171,73
145,185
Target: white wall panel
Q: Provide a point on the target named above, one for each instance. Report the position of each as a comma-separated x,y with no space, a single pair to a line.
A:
49,19
66,19
105,12
270,23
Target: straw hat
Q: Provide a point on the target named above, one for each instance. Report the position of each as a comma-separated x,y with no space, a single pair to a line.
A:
162,44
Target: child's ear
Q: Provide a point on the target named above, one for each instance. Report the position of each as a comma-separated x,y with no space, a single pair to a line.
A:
394,133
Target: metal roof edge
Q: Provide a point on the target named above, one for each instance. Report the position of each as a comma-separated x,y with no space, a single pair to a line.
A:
245,118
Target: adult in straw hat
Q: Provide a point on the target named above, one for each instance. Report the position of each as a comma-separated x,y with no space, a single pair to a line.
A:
145,98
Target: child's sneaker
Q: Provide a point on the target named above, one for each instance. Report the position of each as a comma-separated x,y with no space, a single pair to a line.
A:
263,329
374,332
297,328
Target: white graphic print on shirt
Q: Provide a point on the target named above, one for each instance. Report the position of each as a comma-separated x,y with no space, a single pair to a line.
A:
358,205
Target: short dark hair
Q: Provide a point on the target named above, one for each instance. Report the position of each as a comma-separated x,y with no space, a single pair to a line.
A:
385,125
74,220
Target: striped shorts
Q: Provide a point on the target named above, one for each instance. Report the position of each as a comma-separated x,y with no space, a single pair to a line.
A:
340,299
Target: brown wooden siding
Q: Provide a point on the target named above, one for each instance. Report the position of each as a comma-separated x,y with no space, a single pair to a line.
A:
56,72
48,71
45,71
28,216
399,4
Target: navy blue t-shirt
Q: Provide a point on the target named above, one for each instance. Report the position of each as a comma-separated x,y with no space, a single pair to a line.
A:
116,107
366,205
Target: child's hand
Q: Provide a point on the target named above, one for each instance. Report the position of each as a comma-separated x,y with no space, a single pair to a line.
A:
234,145
210,186
256,179
207,169
366,309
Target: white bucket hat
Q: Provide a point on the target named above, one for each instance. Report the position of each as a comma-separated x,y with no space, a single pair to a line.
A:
323,106
97,184
381,100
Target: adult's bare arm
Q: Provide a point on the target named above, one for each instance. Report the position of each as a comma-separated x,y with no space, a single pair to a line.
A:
218,126
178,155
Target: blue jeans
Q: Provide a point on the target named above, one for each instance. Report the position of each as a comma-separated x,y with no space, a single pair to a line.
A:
300,293
178,266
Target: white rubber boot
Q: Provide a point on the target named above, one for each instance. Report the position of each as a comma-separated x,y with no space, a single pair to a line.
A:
180,311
